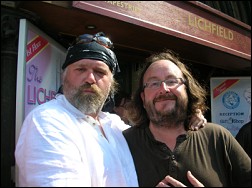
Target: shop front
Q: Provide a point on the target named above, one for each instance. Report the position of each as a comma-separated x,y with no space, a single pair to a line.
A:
211,43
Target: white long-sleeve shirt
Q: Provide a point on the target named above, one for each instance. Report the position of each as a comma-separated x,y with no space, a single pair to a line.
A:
60,146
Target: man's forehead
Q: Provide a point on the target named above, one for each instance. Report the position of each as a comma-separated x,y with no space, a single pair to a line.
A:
164,66
91,63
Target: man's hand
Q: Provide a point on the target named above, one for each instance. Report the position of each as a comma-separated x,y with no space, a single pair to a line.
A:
168,181
197,121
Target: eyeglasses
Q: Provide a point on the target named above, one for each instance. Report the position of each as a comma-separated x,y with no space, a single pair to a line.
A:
100,38
171,83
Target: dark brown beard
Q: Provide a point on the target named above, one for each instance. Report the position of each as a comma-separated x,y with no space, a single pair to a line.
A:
171,118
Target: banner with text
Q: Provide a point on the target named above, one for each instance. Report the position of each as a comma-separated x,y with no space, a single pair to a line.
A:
231,102
39,70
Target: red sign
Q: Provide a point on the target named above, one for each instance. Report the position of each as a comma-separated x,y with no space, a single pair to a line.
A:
34,47
223,87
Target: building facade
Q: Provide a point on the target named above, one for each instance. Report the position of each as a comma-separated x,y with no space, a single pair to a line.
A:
213,39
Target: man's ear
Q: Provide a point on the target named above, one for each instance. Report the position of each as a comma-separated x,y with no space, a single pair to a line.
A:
142,97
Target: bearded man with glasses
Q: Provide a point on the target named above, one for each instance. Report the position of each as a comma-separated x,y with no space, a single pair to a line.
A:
161,143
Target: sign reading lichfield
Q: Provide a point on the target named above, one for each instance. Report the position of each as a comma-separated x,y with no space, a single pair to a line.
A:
180,18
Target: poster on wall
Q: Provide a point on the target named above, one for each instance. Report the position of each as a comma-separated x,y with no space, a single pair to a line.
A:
39,70
231,102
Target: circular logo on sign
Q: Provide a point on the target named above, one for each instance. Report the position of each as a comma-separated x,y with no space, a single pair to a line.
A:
230,100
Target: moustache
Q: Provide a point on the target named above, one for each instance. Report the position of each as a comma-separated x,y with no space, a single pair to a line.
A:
92,87
167,96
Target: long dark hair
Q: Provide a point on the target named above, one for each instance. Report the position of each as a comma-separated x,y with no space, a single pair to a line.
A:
196,93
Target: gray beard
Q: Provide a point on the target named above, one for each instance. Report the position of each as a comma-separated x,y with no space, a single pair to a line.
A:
87,103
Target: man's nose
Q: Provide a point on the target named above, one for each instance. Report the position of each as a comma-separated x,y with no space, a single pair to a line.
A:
90,78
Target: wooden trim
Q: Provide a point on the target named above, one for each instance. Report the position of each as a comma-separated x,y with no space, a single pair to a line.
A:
186,20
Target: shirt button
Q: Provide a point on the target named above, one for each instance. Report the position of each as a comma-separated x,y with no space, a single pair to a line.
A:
173,157
164,148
